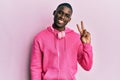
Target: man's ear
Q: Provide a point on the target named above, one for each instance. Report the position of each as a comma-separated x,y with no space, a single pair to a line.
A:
69,19
54,12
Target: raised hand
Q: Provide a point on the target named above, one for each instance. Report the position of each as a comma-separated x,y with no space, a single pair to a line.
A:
85,35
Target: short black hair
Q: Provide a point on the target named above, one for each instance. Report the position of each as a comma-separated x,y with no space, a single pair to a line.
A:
65,4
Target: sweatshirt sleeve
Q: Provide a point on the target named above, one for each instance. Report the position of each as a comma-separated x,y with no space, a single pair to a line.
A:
85,56
36,61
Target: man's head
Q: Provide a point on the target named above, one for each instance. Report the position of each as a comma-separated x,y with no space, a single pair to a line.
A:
62,15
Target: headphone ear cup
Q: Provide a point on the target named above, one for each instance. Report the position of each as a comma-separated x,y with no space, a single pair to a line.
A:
63,34
59,36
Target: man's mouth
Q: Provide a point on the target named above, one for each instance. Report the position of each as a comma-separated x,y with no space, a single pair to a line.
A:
60,21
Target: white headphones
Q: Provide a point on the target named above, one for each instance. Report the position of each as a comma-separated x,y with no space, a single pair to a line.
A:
60,34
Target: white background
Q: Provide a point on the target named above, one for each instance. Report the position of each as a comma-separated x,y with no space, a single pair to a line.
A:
21,20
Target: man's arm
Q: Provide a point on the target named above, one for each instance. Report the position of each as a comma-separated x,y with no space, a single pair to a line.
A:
36,61
85,55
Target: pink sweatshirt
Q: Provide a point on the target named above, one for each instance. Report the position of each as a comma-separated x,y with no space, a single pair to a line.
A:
56,58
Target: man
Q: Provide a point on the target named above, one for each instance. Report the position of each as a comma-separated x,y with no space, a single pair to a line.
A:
57,49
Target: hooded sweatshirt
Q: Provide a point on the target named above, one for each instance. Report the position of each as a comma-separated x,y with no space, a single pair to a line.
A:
55,55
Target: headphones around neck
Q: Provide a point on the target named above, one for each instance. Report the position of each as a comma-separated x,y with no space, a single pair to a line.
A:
60,35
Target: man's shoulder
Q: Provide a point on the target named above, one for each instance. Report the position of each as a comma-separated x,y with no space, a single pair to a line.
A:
41,33
72,32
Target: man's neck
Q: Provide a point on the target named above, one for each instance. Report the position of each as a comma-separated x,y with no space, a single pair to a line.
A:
59,28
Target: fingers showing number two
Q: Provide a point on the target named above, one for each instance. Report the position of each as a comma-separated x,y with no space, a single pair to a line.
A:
82,27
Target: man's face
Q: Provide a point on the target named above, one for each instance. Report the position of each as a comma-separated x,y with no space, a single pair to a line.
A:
62,16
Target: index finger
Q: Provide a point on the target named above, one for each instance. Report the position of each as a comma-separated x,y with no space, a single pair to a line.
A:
82,25
79,28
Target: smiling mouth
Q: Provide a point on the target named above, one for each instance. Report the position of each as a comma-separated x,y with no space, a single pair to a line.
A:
60,21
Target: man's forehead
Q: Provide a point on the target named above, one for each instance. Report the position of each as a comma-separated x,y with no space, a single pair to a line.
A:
64,8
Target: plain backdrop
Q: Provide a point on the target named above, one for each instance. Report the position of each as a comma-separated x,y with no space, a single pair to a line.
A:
21,20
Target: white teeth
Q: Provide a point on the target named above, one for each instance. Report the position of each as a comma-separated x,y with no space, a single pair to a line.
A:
60,21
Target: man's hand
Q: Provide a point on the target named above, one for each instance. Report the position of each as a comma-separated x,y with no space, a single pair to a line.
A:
85,35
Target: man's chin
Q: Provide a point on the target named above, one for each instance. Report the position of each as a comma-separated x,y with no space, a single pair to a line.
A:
57,25
60,26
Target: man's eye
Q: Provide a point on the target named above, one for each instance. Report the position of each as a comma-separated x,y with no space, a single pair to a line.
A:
67,15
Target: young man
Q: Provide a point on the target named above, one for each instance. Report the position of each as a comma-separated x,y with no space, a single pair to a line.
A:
57,49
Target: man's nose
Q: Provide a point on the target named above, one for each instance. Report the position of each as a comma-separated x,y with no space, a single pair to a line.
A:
63,16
